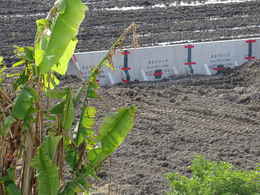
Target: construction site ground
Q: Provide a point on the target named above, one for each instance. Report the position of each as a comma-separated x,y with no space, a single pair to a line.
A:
218,117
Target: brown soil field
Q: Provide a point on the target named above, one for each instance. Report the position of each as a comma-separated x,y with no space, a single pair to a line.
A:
218,117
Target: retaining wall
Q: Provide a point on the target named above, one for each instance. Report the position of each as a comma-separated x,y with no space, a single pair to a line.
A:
156,63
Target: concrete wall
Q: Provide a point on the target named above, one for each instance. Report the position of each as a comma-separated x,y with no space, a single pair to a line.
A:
156,63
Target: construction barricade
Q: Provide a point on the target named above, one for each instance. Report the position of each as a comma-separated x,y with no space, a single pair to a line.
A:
162,62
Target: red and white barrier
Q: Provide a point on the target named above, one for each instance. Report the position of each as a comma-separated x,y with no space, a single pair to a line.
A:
156,63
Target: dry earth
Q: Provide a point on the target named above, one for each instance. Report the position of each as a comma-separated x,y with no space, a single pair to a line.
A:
166,25
218,117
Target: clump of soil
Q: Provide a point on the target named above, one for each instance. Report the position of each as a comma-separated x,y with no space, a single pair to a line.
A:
250,73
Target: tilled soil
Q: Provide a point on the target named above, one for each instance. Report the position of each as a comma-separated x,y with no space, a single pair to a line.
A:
167,25
217,117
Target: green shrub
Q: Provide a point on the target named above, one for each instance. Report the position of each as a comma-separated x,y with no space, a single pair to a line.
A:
214,178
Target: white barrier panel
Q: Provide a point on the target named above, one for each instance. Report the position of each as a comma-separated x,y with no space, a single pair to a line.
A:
156,63
211,57
82,63
149,64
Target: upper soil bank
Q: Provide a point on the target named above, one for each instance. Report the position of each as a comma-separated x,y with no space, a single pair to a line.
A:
157,25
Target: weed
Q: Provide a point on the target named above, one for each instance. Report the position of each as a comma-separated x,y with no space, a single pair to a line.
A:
214,178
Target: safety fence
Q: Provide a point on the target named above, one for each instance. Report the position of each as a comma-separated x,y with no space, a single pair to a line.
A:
163,62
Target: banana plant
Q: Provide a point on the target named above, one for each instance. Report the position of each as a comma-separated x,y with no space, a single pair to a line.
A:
58,152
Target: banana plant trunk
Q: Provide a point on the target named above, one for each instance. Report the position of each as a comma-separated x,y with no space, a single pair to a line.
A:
27,177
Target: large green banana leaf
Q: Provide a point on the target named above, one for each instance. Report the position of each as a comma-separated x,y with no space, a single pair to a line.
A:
56,37
111,134
47,170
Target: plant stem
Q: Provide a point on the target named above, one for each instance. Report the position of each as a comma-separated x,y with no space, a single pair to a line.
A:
4,96
117,45
60,150
27,170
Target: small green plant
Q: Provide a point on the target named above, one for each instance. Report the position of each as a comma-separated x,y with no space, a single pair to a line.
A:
214,178
258,170
44,148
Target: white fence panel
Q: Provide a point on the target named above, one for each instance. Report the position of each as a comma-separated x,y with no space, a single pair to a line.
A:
87,60
157,63
150,64
214,56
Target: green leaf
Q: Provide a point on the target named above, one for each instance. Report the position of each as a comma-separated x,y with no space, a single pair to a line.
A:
9,183
2,69
56,93
77,96
42,38
112,133
58,108
33,92
65,22
7,125
20,62
1,60
109,65
23,78
92,83
62,66
10,75
24,103
91,93
24,53
91,90
48,179
12,189
119,123
79,184
50,145
87,122
69,112
71,156
50,81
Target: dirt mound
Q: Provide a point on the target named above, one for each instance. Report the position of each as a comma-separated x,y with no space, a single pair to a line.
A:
250,73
